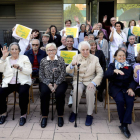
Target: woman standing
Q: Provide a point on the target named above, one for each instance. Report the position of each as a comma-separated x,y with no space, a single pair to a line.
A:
54,37
117,37
50,66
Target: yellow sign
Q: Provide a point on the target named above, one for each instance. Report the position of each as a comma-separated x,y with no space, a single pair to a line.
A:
137,48
72,31
22,31
68,56
136,31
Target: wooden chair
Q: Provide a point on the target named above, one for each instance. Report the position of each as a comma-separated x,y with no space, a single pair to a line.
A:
107,102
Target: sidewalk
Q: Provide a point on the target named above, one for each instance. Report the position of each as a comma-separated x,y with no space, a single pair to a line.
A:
101,129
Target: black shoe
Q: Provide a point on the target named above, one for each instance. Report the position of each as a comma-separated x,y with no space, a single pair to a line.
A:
100,97
22,121
2,119
60,121
125,131
44,122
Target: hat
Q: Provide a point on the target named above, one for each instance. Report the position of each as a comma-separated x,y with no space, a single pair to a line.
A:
47,35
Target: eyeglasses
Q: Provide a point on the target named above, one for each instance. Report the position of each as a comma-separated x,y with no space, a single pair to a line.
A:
35,44
51,50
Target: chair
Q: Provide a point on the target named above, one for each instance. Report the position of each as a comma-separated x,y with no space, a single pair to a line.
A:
107,102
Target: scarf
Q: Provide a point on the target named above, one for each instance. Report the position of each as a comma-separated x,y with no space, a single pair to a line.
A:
119,65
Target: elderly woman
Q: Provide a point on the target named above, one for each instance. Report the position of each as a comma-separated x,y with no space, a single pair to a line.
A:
117,37
102,61
9,66
121,87
49,66
54,37
90,76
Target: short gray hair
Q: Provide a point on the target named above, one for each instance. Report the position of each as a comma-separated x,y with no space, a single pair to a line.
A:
49,45
122,46
14,43
83,43
131,36
91,35
36,40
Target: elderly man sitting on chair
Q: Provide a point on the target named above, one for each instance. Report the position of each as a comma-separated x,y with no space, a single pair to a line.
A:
90,76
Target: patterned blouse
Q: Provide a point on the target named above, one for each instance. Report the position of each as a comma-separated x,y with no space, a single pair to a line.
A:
46,71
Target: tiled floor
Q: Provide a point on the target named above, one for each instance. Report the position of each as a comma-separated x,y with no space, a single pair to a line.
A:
101,129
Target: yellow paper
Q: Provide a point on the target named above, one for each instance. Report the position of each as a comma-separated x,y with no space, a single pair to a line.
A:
68,56
136,31
22,31
138,48
72,31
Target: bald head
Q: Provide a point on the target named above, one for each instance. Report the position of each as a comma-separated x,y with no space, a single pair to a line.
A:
63,40
113,21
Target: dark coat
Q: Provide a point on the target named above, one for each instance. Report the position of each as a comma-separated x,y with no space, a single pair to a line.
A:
120,82
102,61
56,40
41,54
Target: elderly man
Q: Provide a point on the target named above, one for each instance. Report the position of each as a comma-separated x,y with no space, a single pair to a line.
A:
90,76
45,39
35,55
63,41
69,44
108,28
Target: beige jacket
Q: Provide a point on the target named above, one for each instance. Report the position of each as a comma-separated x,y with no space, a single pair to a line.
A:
90,70
8,72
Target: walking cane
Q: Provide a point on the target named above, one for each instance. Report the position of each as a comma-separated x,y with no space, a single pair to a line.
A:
52,95
78,66
15,96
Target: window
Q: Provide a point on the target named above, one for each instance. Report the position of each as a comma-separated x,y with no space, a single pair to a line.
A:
73,8
7,10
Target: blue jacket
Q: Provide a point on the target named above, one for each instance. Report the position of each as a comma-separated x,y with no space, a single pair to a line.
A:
41,54
119,82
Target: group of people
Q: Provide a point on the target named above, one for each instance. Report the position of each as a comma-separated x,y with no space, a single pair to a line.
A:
43,59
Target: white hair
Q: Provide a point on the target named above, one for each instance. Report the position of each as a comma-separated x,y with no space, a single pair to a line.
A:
35,40
83,43
131,36
49,45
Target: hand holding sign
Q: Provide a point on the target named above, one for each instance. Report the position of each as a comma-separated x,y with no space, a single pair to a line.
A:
72,31
22,31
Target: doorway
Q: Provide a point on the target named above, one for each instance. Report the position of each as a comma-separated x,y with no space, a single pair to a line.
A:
106,8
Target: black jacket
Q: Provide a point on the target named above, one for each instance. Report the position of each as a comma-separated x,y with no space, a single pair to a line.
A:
120,82
56,40
102,61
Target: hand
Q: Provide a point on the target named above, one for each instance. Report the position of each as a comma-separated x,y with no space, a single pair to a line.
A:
137,68
112,29
16,66
43,48
55,86
76,19
5,52
74,63
47,31
99,41
13,28
118,72
130,92
95,26
105,18
91,87
88,22
63,32
51,88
